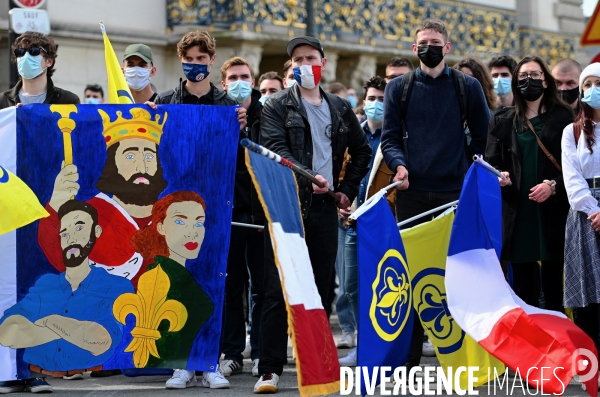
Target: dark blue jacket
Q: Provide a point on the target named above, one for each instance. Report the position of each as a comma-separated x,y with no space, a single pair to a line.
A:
436,139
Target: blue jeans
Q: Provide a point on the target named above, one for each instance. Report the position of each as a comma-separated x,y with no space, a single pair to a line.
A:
351,270
344,310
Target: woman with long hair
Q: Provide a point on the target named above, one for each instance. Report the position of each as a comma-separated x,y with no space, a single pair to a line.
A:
474,68
581,169
524,142
174,236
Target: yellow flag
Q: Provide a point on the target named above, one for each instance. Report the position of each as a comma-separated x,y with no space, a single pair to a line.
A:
427,249
118,90
18,204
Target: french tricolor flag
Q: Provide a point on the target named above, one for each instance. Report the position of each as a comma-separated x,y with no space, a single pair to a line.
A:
545,346
316,355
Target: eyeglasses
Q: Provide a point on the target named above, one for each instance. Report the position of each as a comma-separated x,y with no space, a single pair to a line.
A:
535,75
33,51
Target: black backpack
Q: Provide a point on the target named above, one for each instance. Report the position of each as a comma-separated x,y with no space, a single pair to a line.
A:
460,85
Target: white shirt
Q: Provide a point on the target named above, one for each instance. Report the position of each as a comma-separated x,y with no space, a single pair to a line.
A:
579,164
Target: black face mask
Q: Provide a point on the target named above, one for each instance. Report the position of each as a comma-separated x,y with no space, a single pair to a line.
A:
430,55
569,96
531,89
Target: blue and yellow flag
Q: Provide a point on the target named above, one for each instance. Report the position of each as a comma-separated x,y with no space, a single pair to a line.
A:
385,295
427,250
118,90
18,204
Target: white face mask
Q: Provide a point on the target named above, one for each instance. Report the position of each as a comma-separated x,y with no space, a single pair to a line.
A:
291,83
137,78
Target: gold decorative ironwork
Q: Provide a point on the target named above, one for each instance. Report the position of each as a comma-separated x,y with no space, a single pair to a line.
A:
150,307
549,45
475,30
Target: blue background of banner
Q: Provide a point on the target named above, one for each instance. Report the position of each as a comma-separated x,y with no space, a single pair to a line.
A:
197,152
377,234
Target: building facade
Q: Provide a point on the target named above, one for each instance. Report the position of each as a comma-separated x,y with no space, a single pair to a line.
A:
359,36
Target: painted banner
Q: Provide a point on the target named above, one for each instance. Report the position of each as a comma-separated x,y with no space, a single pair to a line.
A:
128,271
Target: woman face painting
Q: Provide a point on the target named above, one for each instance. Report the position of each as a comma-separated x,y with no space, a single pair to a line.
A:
183,228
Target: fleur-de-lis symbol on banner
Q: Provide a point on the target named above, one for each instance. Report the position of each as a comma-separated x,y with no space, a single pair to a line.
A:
149,306
391,301
393,295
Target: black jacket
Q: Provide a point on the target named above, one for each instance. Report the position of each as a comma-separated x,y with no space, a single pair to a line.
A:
54,96
174,96
502,152
246,197
286,131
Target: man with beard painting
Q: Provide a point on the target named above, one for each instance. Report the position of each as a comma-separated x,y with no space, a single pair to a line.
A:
65,322
133,176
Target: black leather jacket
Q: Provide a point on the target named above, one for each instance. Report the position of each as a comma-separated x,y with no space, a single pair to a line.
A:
286,131
54,95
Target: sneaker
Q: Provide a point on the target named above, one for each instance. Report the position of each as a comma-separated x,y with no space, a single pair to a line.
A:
230,367
248,349
73,377
181,379
105,372
12,386
38,385
255,367
347,341
214,380
267,383
349,360
428,350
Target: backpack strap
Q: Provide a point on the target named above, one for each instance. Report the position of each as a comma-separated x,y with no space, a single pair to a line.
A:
405,92
460,84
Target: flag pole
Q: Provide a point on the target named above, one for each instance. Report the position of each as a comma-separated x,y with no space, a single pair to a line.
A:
479,159
248,225
414,218
255,147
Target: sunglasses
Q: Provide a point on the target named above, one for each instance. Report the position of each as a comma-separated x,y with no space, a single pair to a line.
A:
93,87
33,51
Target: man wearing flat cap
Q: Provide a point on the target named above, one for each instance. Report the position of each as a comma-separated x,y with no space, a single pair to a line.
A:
313,129
138,68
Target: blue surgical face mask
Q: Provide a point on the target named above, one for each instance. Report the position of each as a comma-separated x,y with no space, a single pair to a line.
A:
291,83
352,100
502,86
92,101
29,66
195,72
239,90
374,111
263,99
592,97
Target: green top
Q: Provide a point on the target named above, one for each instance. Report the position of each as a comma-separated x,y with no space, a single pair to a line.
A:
528,239
174,347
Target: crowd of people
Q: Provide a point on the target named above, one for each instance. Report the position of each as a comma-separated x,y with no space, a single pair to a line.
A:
536,125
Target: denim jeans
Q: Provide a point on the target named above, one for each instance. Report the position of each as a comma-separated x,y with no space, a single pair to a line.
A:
246,254
411,203
321,229
351,270
343,307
